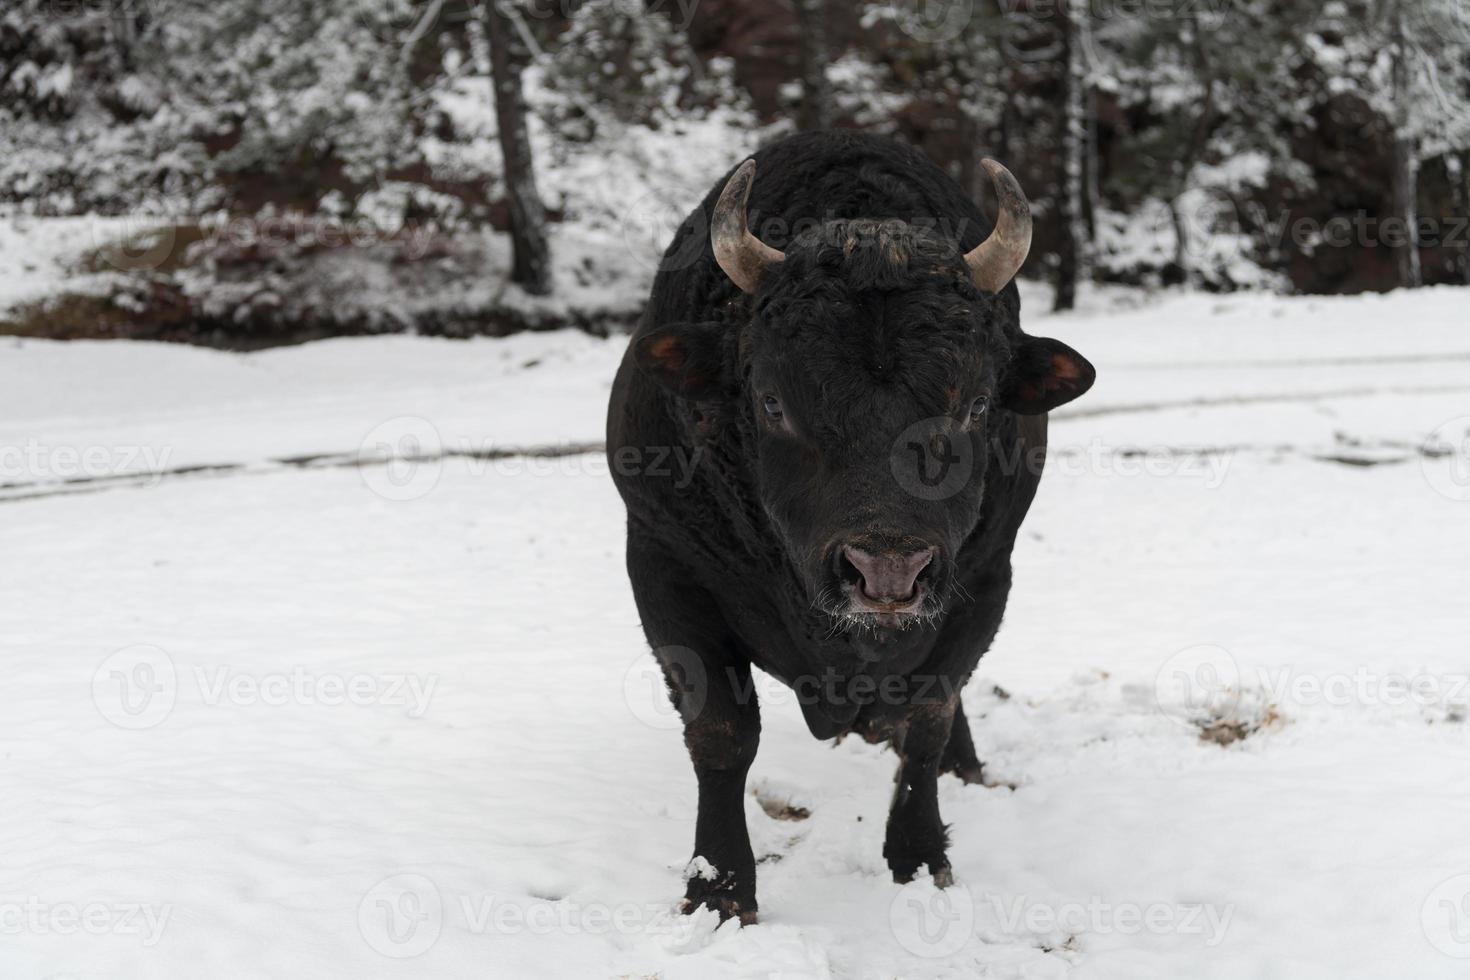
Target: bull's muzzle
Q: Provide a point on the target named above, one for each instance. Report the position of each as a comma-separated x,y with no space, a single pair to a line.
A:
888,580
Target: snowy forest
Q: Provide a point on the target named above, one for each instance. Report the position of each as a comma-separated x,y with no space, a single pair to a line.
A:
248,172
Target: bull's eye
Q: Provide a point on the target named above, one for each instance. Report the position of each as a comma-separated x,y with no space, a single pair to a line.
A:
978,407
772,405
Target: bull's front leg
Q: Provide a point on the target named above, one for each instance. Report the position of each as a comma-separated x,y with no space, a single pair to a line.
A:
916,835
710,684
722,736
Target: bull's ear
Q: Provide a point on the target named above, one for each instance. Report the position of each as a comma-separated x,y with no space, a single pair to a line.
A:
686,358
1045,373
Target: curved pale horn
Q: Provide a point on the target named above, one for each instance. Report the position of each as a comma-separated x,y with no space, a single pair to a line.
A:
995,261
743,256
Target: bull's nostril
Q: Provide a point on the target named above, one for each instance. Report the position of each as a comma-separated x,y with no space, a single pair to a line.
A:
887,576
848,571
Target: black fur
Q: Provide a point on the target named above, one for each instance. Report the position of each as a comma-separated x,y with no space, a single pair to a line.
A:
875,346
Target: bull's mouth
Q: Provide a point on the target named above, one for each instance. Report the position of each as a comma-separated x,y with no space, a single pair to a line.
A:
860,603
897,614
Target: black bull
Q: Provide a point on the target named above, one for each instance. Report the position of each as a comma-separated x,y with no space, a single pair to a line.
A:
866,422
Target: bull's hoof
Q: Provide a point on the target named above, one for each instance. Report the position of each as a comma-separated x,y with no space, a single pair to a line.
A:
731,895
943,875
974,775
728,907
907,852
905,863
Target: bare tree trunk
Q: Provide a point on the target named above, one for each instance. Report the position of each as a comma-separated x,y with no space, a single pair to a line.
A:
811,45
417,53
1193,149
1464,184
1005,145
1092,169
531,265
973,127
1405,192
1010,138
1405,160
125,17
1006,137
1072,253
971,155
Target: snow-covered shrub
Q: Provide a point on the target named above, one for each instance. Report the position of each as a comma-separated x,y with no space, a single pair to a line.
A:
620,60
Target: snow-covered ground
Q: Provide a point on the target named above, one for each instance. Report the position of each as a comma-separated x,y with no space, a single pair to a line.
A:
271,713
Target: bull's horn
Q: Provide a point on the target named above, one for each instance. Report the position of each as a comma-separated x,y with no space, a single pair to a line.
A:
995,261
743,256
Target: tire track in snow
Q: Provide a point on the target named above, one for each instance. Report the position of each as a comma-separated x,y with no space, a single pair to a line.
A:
12,492
1229,401
38,489
1366,360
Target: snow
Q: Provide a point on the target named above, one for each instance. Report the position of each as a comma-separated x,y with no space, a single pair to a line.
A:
39,256
398,720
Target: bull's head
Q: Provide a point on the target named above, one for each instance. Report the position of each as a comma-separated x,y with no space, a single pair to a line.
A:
877,363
